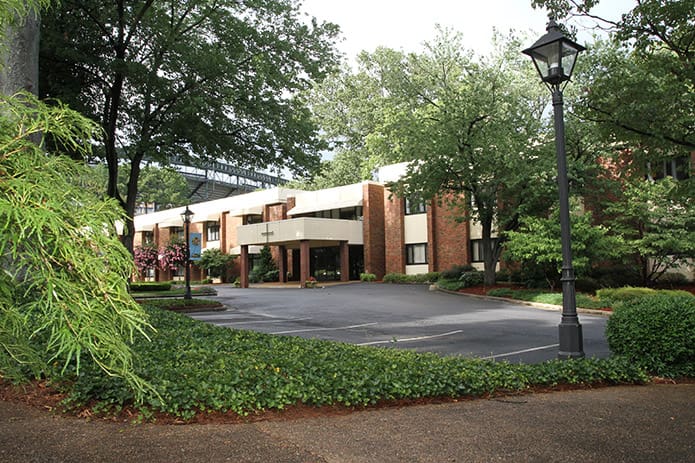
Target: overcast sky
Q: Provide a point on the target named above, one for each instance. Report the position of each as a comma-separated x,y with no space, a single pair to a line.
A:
406,24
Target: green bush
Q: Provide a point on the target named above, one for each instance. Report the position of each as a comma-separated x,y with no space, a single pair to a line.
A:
473,278
628,293
395,278
455,272
367,277
215,262
142,287
195,366
430,277
656,332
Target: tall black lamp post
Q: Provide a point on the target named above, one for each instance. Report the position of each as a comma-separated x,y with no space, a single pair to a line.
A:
186,216
554,56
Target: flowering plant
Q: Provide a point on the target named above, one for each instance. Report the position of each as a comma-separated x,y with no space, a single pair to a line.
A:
173,255
146,257
310,282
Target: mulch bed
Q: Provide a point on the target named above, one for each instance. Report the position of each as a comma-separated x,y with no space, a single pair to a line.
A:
40,394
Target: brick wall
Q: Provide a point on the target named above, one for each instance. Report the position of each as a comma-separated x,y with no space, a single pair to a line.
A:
373,229
449,240
394,233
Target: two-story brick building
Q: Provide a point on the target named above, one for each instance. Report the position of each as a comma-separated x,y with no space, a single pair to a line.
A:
330,234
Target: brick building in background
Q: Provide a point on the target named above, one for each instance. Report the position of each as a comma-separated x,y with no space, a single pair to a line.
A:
330,234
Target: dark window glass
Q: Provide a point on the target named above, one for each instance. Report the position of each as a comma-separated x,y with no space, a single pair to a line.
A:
414,205
416,253
213,231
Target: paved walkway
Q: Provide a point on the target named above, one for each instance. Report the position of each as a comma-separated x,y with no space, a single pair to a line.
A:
654,423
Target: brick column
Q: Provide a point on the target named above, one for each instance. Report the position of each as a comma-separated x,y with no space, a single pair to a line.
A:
244,277
304,267
344,261
282,263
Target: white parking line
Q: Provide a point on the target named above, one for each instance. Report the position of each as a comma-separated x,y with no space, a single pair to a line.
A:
419,338
325,329
550,346
281,320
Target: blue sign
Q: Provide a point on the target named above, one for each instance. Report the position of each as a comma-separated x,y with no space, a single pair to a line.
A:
195,244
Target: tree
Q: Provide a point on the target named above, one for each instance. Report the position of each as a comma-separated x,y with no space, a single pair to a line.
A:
640,85
537,244
215,262
188,79
19,27
265,270
470,128
657,225
165,187
146,258
63,293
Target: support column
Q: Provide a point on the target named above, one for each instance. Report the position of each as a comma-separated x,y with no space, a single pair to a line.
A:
282,264
304,267
344,261
244,277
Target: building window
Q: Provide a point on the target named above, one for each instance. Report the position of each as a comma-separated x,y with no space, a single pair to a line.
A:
477,249
177,232
253,218
147,237
414,205
213,231
416,253
678,168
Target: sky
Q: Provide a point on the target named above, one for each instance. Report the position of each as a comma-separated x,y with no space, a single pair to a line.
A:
406,24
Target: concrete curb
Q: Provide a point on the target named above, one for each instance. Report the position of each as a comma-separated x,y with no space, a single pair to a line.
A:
537,305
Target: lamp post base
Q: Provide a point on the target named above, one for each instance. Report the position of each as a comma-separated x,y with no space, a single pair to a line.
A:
571,341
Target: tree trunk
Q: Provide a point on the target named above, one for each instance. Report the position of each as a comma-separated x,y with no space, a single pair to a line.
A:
20,62
489,251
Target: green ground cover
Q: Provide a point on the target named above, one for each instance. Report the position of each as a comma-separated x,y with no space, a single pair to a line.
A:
544,297
195,367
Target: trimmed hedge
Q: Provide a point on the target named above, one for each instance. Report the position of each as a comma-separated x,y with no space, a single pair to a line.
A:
656,332
430,277
630,293
142,287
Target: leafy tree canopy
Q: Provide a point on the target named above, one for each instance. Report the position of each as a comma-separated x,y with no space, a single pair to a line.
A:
471,128
192,79
640,85
63,278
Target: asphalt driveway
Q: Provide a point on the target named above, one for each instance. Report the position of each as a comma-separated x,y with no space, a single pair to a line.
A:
404,316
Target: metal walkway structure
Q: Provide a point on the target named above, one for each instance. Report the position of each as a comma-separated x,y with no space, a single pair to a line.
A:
216,180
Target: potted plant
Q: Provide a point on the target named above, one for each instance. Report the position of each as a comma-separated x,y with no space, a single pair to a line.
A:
215,262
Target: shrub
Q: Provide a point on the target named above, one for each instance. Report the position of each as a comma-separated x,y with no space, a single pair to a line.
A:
669,280
473,278
367,277
587,284
215,262
627,293
656,333
146,257
395,278
455,272
141,287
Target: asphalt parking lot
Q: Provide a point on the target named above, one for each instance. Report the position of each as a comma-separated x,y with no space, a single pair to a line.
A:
406,317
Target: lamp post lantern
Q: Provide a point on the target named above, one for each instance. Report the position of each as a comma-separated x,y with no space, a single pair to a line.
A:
186,216
554,56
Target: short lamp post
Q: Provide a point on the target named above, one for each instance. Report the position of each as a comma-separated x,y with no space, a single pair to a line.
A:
554,56
186,216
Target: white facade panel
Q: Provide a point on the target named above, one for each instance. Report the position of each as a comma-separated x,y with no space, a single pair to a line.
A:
415,228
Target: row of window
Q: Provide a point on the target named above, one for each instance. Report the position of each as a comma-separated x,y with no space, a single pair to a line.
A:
212,233
416,254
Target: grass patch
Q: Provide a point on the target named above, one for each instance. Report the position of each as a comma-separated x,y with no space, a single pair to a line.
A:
196,367
183,304
544,297
178,292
